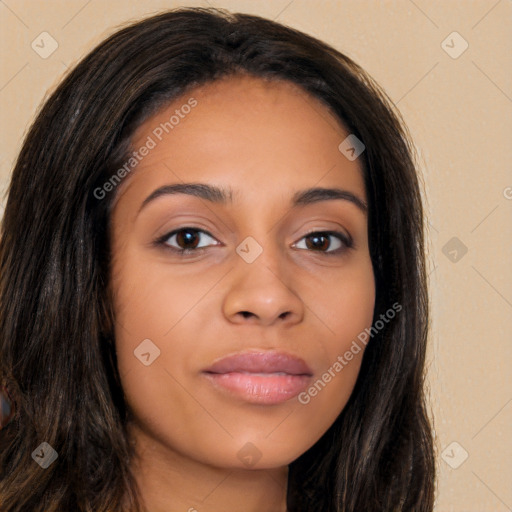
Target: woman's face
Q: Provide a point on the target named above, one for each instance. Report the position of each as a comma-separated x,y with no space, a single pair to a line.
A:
254,284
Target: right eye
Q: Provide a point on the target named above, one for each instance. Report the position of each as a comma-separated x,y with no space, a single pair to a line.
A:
187,239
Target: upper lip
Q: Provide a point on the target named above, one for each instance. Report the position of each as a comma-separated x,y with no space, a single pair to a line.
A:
260,362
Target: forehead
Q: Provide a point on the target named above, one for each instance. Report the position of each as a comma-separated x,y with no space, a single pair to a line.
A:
247,134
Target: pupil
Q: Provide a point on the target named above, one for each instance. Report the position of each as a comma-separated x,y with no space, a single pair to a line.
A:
317,244
187,235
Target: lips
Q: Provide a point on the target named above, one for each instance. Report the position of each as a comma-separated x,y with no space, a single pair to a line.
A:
261,362
260,377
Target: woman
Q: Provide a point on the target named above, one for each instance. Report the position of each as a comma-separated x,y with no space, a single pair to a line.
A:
280,366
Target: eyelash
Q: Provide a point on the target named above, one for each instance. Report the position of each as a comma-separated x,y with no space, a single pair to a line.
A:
345,240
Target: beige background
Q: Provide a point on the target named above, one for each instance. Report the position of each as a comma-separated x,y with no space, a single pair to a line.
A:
459,114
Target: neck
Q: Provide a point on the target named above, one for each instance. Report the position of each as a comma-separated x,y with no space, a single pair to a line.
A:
172,482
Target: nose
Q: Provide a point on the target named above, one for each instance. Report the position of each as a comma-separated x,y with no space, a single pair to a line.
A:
262,293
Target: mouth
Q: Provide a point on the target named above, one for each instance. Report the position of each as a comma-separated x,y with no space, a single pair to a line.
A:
260,377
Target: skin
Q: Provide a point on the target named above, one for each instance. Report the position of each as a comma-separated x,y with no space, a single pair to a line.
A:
265,140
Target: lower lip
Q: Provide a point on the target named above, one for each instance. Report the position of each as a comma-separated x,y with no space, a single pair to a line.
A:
261,388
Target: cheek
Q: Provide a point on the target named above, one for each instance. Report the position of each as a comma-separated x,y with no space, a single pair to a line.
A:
149,311
345,309
347,303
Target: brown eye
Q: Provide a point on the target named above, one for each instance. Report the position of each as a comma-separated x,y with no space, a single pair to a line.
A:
321,241
187,239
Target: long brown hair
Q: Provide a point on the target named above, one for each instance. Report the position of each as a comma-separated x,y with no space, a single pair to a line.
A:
57,354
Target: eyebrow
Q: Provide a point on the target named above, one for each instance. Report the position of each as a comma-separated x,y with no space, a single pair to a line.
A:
224,196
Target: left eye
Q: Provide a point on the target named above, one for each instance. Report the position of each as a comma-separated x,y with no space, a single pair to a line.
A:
318,241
